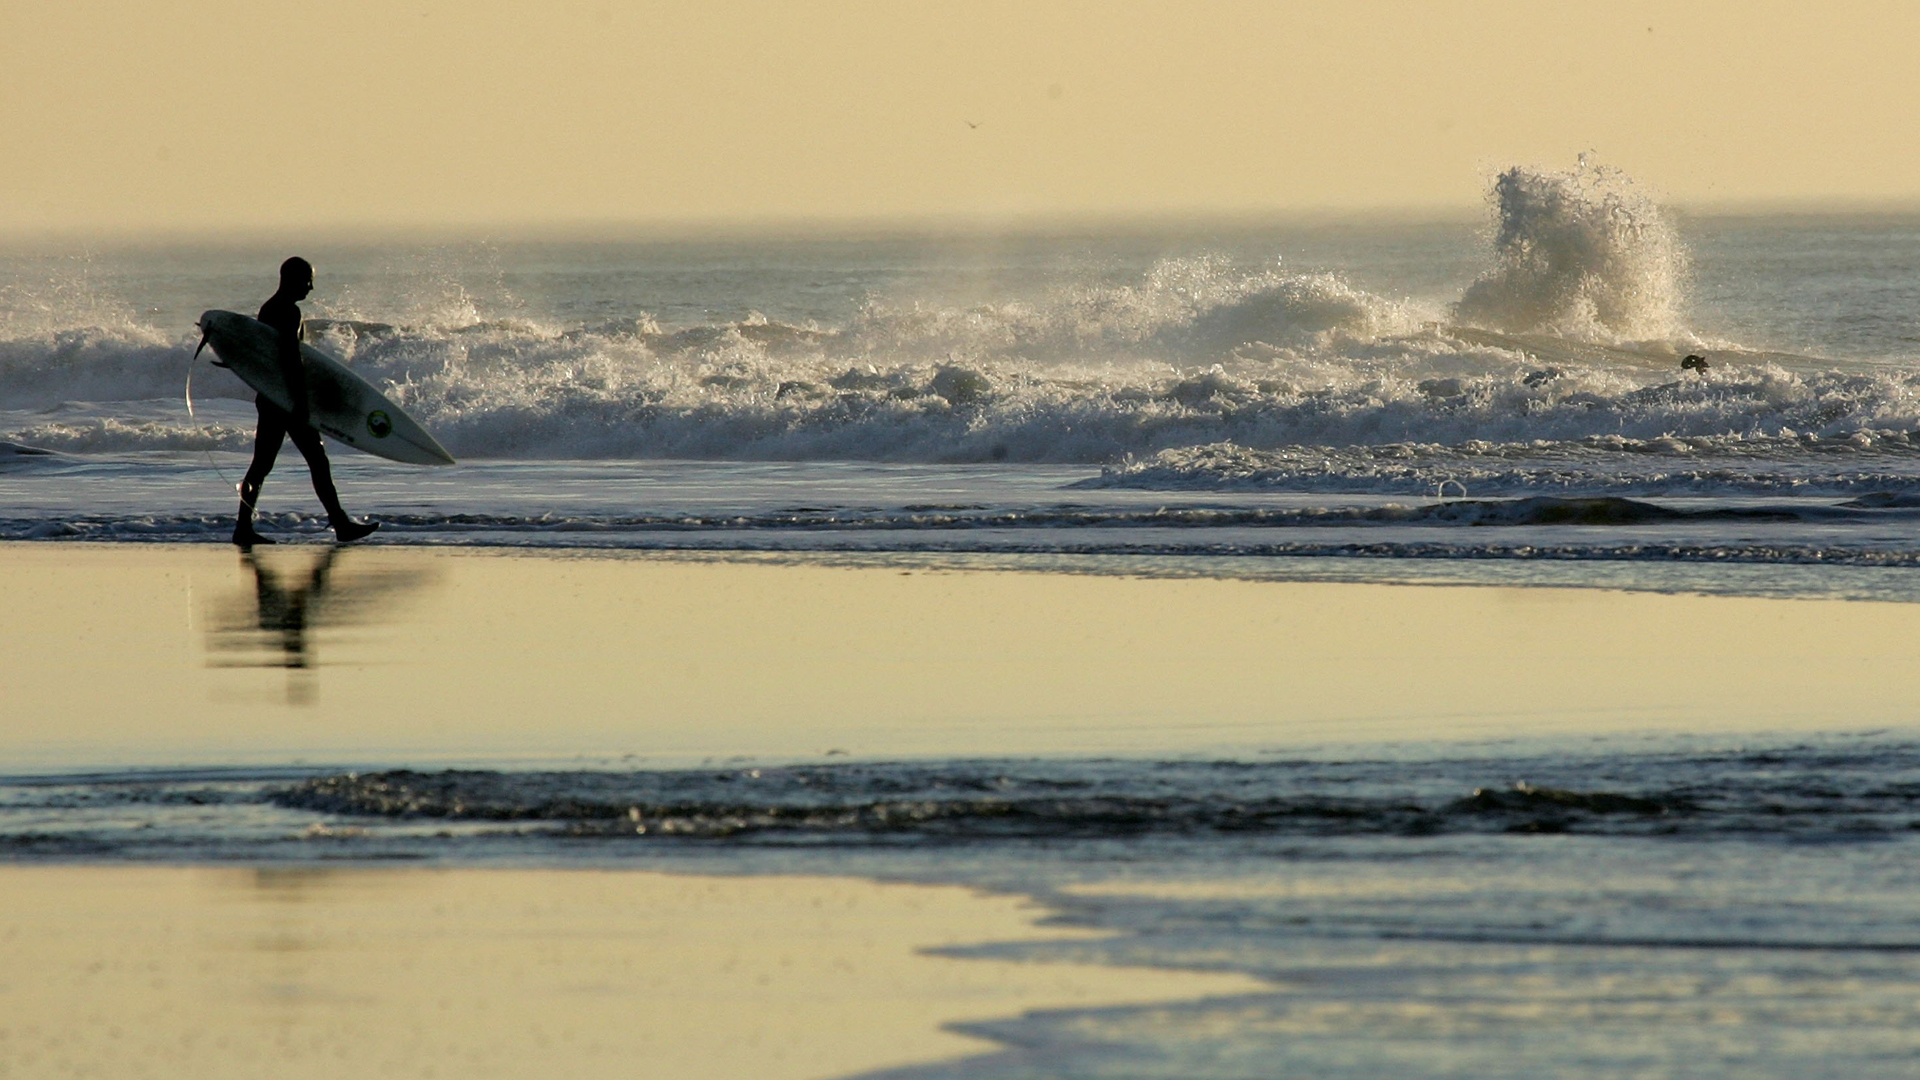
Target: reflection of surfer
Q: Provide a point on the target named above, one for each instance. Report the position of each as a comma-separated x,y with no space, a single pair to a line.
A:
285,611
282,312
292,601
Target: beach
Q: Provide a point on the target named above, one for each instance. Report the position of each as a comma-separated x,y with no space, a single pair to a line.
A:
147,655
1345,648
493,810
991,541
315,970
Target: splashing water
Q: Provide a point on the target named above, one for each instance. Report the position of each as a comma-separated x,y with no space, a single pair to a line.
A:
876,350
1583,253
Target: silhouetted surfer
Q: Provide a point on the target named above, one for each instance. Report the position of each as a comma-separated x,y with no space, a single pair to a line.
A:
282,312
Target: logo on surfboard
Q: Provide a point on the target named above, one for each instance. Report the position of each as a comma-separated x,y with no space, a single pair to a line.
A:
379,423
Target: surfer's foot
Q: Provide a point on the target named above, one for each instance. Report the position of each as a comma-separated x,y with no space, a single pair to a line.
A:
246,539
347,530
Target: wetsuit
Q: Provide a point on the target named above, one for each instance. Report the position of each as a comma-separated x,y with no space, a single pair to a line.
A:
277,425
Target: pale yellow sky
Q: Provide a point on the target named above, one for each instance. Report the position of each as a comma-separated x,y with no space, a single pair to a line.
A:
214,113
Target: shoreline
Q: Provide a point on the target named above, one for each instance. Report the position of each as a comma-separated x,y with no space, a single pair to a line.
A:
522,956
209,971
125,656
1864,579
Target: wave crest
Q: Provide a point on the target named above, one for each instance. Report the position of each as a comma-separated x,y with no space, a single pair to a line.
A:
1583,253
1198,310
520,392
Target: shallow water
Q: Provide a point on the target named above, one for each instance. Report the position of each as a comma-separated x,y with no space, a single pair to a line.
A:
1737,911
1486,831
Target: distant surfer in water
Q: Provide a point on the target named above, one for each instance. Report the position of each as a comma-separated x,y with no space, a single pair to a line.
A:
282,312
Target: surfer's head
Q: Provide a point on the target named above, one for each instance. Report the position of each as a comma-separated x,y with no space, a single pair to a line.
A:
296,277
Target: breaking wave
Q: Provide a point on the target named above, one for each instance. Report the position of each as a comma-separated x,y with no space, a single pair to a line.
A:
1863,462
792,394
1080,375
1573,335
1584,253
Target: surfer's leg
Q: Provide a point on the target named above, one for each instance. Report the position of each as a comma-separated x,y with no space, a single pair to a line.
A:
266,446
315,451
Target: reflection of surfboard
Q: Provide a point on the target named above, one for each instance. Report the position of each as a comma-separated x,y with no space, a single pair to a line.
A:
340,403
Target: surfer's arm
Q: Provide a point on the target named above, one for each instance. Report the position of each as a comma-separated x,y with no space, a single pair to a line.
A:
293,373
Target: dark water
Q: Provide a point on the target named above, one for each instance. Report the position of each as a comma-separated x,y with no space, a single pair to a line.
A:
1622,910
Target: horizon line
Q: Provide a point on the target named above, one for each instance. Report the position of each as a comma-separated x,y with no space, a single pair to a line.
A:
878,226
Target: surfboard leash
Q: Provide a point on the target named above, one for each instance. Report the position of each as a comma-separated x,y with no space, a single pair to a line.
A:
191,415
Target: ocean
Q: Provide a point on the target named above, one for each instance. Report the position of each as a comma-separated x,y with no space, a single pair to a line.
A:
1344,388
1493,403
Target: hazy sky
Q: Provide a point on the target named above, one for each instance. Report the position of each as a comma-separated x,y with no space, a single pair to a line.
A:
204,113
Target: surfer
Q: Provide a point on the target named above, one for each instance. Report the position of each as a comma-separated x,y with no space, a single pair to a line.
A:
282,312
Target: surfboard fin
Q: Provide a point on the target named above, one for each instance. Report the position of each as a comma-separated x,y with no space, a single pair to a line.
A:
216,361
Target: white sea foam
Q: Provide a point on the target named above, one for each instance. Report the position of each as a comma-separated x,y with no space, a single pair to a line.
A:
1584,253
1583,299
1714,465
766,391
1182,311
89,363
1077,375
507,392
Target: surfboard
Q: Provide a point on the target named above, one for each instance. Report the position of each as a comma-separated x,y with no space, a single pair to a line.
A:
339,403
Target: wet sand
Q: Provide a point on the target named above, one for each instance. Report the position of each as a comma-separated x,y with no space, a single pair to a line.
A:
163,655
211,972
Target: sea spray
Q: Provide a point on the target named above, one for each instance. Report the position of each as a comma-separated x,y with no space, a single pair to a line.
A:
1181,311
92,362
1076,361
790,394
1583,253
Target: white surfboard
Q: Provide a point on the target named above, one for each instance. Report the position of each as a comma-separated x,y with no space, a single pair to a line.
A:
339,403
